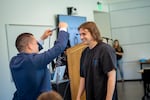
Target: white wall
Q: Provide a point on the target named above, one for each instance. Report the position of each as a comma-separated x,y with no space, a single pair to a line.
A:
130,23
102,20
32,12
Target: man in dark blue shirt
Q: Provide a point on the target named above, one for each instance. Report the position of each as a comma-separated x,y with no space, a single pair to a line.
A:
29,67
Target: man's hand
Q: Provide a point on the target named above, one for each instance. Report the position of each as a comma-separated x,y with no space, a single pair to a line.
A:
46,34
63,25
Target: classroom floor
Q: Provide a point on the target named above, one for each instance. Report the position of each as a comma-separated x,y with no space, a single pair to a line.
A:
130,90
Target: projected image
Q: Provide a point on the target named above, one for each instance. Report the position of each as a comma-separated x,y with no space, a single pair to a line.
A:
73,22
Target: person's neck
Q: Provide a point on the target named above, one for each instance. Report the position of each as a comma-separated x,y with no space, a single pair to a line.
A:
92,44
27,51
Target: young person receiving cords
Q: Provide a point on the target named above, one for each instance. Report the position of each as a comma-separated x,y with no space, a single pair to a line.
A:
98,65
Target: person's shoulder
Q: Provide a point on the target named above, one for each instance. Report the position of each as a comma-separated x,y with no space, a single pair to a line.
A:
104,46
17,61
22,57
121,47
85,51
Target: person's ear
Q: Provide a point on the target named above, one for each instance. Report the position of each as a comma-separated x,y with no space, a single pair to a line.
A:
29,46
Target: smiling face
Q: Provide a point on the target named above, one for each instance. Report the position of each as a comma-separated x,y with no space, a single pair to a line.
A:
86,36
89,33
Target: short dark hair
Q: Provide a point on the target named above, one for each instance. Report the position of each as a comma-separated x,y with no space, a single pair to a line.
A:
92,28
22,40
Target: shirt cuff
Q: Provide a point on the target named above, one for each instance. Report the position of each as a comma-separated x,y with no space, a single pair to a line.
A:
63,29
41,42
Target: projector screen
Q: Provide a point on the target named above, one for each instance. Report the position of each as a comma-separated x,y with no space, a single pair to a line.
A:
73,23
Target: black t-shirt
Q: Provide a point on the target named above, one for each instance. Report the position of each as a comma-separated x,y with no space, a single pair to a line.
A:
120,51
95,64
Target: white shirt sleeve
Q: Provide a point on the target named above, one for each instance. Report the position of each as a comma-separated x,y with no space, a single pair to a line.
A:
41,42
63,29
